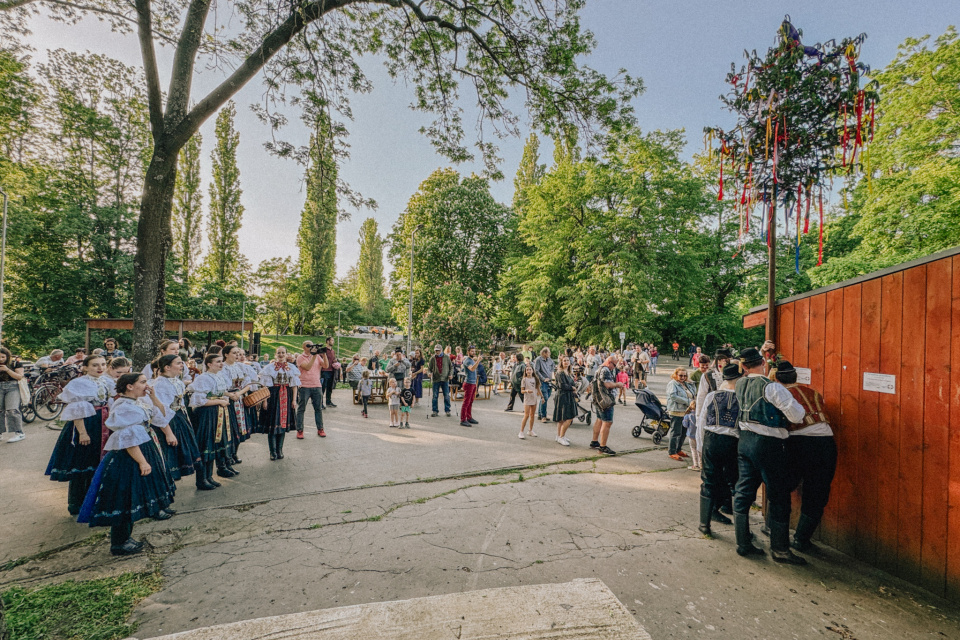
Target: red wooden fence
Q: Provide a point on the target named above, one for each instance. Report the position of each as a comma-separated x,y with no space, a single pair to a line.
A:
895,502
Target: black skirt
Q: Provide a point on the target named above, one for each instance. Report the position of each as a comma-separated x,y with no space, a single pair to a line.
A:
70,459
214,434
253,419
272,419
565,406
119,494
240,430
181,458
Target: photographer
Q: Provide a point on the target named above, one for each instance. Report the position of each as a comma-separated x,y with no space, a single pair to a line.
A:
330,371
398,366
311,362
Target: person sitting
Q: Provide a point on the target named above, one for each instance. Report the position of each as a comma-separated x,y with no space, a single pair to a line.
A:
52,361
77,356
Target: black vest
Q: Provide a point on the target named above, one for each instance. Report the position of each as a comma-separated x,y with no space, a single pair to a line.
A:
723,410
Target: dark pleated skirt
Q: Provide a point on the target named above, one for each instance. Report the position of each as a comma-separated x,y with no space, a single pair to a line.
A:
565,407
271,420
240,430
181,458
119,494
207,441
71,460
253,419
417,386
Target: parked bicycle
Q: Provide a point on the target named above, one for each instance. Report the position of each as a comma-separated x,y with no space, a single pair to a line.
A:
45,393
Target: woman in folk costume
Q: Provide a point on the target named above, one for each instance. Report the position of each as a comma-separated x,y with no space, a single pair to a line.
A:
211,410
252,370
179,443
166,348
77,452
237,376
131,482
280,416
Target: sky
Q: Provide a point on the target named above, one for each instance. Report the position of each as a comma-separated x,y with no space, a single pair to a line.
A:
682,49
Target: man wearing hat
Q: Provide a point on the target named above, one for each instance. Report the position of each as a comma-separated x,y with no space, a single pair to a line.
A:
711,378
812,453
718,434
440,369
766,410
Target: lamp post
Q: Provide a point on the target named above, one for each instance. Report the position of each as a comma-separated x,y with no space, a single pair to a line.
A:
410,309
3,256
339,313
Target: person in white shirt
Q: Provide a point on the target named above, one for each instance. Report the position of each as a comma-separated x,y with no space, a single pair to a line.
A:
718,434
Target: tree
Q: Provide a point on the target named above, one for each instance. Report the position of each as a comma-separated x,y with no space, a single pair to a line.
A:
226,213
317,238
496,47
457,319
277,282
370,270
463,240
188,208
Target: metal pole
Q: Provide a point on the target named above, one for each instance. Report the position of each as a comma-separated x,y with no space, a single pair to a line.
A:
3,256
410,309
243,317
772,275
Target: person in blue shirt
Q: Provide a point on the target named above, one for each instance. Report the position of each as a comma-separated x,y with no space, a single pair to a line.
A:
470,364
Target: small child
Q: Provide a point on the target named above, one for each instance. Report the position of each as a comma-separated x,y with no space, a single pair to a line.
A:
530,392
406,401
690,424
624,378
393,401
366,388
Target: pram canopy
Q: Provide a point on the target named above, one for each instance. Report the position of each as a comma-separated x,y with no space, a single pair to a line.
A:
649,404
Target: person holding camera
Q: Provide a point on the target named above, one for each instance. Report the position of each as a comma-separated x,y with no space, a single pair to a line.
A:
311,363
330,371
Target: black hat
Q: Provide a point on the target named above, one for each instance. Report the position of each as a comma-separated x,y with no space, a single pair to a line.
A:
784,366
398,350
750,357
722,353
732,371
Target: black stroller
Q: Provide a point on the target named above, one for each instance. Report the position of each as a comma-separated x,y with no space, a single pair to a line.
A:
655,419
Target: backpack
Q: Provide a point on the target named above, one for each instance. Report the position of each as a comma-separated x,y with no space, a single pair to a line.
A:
517,374
601,398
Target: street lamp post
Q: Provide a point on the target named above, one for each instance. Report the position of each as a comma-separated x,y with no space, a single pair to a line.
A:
410,309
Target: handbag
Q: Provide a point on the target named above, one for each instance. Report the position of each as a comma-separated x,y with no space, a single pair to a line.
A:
24,391
255,398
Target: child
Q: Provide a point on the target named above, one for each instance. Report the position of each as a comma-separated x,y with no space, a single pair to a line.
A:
530,388
393,401
690,424
406,401
624,378
366,387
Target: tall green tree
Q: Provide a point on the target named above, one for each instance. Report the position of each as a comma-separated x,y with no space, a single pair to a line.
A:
464,239
223,261
188,208
317,237
370,272
276,279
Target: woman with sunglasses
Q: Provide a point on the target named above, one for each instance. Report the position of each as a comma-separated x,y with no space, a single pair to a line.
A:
681,400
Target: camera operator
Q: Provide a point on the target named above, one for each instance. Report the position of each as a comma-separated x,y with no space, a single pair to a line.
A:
311,362
330,371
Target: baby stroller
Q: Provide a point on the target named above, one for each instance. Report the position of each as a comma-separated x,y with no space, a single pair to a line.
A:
655,419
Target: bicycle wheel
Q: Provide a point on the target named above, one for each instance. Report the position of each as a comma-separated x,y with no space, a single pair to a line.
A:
27,413
45,403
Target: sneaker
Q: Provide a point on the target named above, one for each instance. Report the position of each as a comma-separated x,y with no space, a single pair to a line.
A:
594,445
448,414
299,435
435,414
676,457
521,436
472,421
17,438
683,454
564,441
393,426
534,434
321,432
464,423
693,467
607,451
508,409
330,404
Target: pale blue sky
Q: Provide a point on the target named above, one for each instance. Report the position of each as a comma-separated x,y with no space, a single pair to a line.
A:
681,49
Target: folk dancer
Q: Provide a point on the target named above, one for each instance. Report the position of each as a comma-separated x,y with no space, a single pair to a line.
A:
179,443
237,376
280,416
214,436
719,434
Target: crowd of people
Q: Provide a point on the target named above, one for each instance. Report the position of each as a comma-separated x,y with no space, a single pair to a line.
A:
130,437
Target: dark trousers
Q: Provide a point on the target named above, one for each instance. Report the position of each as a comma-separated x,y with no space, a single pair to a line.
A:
365,400
313,395
813,461
443,386
120,533
514,392
677,434
719,464
328,381
763,459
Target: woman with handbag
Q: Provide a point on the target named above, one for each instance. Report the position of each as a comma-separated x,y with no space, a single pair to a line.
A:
565,406
11,373
681,400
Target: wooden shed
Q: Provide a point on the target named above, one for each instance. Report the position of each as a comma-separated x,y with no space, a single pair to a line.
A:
880,349
170,326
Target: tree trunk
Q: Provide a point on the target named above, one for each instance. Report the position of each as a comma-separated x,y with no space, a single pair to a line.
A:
153,243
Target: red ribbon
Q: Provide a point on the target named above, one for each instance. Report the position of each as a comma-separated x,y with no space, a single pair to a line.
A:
105,432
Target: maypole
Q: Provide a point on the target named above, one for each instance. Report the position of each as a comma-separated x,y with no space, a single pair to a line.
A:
802,118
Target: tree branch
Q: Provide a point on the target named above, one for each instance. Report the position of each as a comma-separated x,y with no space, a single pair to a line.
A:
6,5
154,98
184,59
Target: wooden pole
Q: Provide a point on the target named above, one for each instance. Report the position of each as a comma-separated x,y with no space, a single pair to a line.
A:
772,274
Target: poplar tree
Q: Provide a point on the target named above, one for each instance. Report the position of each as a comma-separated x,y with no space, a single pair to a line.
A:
226,213
317,238
370,269
187,207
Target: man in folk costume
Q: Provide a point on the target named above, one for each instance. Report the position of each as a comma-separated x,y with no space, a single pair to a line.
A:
812,453
766,409
718,434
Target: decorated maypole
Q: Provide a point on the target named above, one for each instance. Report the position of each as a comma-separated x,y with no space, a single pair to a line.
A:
802,119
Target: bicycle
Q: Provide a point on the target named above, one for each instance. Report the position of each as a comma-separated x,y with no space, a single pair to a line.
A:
44,401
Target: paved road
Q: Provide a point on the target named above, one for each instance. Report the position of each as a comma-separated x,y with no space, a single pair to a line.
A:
371,514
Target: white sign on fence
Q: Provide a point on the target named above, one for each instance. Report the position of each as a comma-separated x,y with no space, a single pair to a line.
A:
803,375
880,382
623,336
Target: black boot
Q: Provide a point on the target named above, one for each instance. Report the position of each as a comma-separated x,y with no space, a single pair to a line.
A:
200,471
121,544
741,522
765,527
806,526
76,492
209,474
706,508
727,507
780,544
272,443
716,516
280,437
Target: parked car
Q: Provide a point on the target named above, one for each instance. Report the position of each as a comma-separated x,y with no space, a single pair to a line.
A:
361,329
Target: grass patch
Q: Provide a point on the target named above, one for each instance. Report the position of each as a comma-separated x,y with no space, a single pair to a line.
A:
88,610
294,344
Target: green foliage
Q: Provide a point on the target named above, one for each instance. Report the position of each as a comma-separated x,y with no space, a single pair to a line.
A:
279,306
369,274
187,216
464,240
294,344
457,318
91,609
